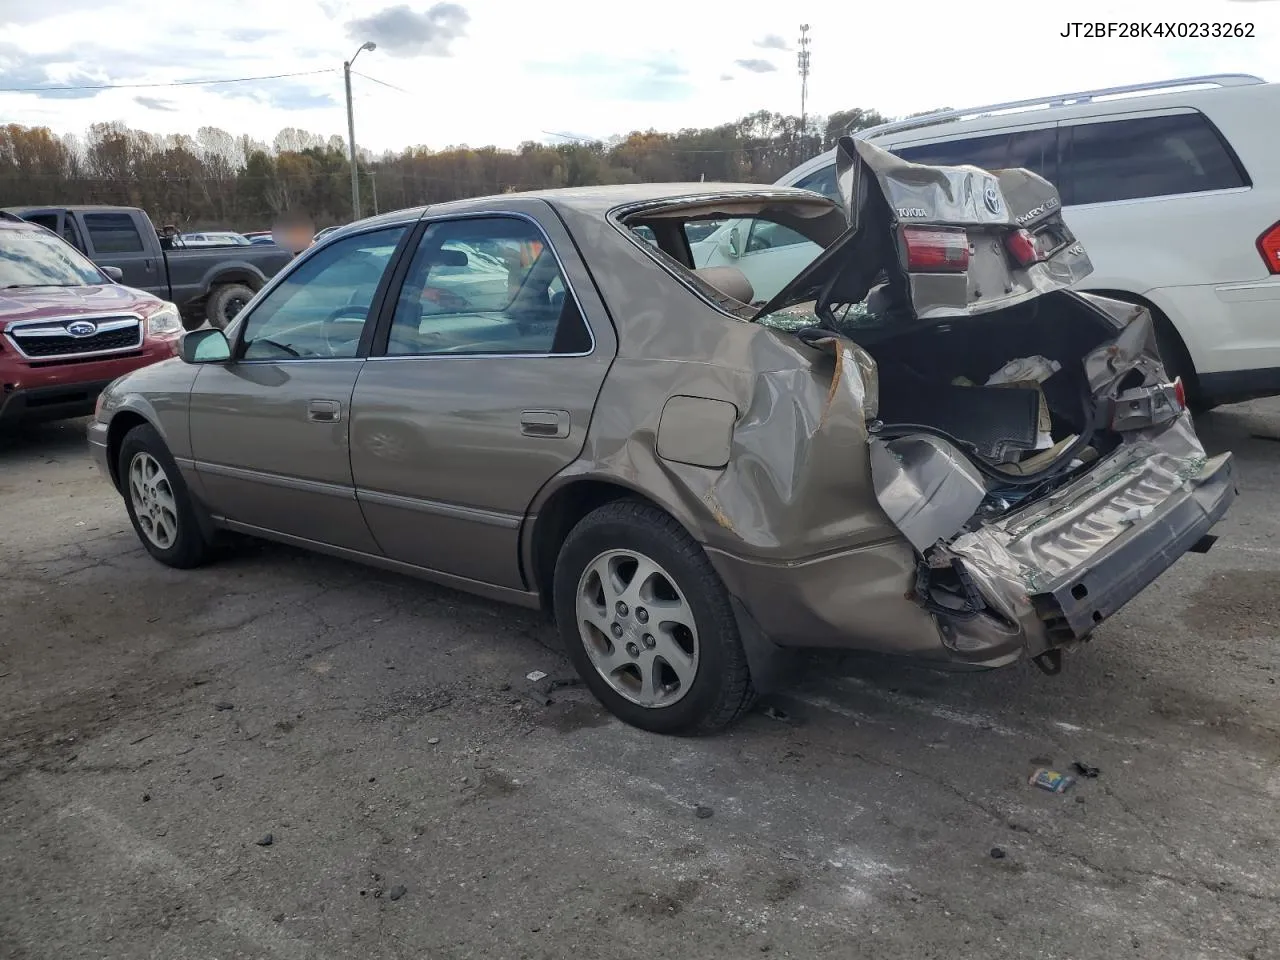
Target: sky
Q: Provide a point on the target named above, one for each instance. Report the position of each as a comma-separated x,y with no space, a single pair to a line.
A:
502,72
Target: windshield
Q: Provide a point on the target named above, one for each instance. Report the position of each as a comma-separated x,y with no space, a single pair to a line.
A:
34,258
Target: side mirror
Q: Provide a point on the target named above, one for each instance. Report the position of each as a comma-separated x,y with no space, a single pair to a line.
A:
733,243
205,346
115,273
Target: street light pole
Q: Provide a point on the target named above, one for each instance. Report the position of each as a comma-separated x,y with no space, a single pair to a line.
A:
351,130
802,61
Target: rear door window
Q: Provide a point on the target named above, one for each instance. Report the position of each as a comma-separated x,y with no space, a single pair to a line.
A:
113,233
47,220
1145,157
486,286
823,182
989,153
1036,150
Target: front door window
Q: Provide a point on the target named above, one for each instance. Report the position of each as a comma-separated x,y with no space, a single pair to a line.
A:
320,310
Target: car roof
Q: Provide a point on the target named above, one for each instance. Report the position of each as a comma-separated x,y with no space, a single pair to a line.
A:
970,124
75,207
17,224
596,201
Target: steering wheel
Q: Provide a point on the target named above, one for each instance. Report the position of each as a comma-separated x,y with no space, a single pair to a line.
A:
446,301
343,327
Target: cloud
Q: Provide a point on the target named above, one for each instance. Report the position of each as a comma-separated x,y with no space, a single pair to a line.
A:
52,76
726,76
30,73
665,67
155,103
756,66
659,79
27,11
250,34
771,41
403,32
280,95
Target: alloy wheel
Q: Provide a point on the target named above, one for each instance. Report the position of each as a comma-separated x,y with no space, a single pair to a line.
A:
638,628
153,501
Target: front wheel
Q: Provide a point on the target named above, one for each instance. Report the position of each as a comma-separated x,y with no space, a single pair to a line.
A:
648,624
160,507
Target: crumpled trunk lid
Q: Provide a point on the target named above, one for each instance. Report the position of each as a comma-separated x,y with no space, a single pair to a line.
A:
938,242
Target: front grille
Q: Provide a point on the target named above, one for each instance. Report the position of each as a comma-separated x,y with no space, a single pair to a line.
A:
51,338
69,361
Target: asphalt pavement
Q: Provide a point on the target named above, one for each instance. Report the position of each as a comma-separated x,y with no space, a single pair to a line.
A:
288,756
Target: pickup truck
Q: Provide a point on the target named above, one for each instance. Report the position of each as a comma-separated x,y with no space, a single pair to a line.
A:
206,283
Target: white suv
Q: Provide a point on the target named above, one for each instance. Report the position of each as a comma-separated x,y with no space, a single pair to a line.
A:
1174,189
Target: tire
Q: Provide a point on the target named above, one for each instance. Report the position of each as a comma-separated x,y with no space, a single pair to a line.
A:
225,302
712,686
1176,360
158,500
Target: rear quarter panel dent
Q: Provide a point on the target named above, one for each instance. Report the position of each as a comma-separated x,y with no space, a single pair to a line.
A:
797,481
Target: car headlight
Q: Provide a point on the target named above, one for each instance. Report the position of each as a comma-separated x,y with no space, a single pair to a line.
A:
165,322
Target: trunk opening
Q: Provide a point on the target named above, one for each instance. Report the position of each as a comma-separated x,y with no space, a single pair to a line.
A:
1029,455
1025,434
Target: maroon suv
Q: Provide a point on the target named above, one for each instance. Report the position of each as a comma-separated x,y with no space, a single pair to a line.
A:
67,329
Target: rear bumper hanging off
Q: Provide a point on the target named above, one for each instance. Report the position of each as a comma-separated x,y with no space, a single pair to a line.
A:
1071,607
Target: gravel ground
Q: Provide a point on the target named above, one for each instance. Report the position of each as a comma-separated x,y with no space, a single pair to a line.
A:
423,799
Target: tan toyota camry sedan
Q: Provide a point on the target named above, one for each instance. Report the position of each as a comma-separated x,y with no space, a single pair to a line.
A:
922,443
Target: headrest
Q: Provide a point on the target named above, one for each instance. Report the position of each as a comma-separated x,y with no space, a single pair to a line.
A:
730,281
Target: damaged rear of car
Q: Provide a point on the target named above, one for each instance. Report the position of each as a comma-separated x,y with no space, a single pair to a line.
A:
1024,440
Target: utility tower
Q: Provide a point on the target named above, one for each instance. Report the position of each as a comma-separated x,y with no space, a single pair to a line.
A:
802,61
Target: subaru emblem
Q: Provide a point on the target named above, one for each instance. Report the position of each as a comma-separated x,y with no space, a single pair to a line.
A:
991,197
82,328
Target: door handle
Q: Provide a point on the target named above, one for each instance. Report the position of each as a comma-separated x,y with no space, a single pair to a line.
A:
552,424
324,411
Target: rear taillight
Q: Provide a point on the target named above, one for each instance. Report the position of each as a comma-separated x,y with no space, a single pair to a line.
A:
1180,393
936,249
1022,247
1269,247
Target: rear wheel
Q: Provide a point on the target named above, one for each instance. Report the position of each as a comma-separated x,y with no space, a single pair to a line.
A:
160,507
1177,362
225,302
647,622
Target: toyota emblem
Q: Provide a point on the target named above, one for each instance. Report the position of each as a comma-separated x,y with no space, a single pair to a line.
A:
991,197
82,328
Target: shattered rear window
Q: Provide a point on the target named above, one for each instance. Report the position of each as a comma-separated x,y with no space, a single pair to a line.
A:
849,319
646,234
